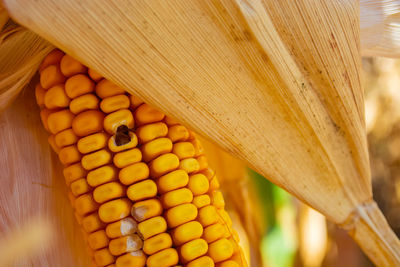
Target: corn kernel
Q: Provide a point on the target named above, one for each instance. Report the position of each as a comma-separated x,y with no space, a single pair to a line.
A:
51,76
155,148
134,173
108,191
186,232
163,164
201,201
88,122
92,223
132,259
146,209
114,147
80,187
78,85
118,118
98,240
145,114
59,120
74,172
103,257
69,155
181,214
122,227
228,263
83,103
220,250
53,144
102,175
157,243
115,210
213,232
152,227
96,159
94,75
92,142
217,199
65,138
170,121
193,249
176,197
135,101
56,97
204,261
151,131
190,165
53,58
183,150
166,257
173,180
142,190
125,244
105,89
85,204
128,157
208,215
178,133
198,184
39,94
214,184
114,103
70,66
203,162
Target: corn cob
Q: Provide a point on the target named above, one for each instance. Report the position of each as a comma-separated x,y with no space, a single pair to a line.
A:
139,183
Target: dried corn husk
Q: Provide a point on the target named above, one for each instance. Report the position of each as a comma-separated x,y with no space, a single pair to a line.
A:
276,83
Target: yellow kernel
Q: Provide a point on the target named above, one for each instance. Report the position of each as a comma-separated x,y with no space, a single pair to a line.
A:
193,249
198,184
39,94
146,209
44,116
183,150
170,121
53,58
78,218
135,101
74,172
112,145
98,240
145,114
92,223
181,214
132,259
59,120
199,150
53,144
176,197
95,75
65,138
118,118
166,257
56,97
201,201
228,263
142,190
85,204
134,173
103,257
125,244
213,232
80,187
108,191
163,164
157,243
78,85
69,155
208,215
208,172
152,227
214,184
96,159
155,148
178,133
128,157
88,122
186,232
189,165
115,210
202,162
84,102
220,250
151,131
92,142
70,66
105,89
114,103
102,175
217,199
225,216
173,180
122,227
204,261
51,76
